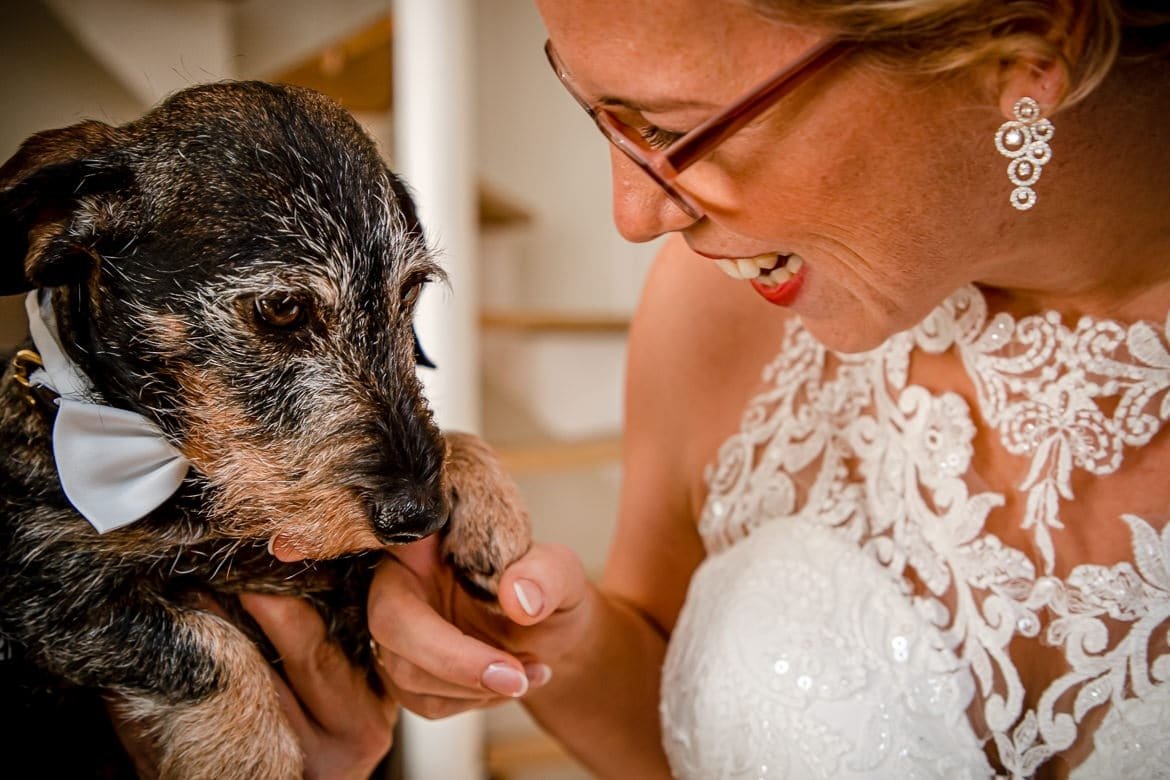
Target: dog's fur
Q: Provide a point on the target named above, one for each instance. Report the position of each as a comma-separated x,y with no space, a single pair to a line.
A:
240,267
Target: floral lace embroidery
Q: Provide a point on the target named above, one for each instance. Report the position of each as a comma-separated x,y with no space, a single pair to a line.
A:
844,442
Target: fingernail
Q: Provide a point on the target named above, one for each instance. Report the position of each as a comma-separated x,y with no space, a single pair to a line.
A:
538,674
505,680
529,595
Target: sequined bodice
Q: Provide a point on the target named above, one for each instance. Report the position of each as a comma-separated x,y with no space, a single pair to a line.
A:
857,616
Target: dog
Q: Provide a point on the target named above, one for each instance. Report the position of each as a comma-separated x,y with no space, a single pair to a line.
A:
237,271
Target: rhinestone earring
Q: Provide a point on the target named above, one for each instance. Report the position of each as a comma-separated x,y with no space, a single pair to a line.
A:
1025,141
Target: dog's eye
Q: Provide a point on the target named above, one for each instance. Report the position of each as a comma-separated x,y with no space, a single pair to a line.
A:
410,295
281,311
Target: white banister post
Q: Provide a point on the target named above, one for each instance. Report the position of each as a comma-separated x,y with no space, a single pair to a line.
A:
433,149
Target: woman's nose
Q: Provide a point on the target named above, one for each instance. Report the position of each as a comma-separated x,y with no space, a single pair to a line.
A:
642,210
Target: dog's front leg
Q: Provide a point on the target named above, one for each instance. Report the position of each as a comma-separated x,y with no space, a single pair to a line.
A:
192,688
234,731
489,526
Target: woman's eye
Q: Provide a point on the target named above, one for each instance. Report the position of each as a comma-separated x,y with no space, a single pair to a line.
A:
634,121
656,137
281,311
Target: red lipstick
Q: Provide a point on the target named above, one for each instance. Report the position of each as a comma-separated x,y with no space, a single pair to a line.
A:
781,294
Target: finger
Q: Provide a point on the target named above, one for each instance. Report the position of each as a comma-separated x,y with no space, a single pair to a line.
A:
332,690
331,753
421,557
291,705
549,578
437,707
408,679
409,628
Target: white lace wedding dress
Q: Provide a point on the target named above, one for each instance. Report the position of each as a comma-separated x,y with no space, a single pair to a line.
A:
856,619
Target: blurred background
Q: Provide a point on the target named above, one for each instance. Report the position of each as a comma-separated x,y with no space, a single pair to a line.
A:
512,182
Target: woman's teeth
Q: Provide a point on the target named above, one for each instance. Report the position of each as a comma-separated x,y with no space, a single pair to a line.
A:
771,269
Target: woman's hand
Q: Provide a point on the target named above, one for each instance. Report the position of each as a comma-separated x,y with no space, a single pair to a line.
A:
344,728
445,651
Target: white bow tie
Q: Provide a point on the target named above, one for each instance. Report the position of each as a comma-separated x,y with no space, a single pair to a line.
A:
115,466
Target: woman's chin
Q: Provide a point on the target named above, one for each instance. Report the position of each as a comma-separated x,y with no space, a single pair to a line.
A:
847,337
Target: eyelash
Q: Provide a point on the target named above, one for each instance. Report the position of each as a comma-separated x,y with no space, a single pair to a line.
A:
654,136
657,138
412,288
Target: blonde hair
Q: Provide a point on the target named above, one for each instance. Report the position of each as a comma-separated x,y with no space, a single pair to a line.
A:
940,36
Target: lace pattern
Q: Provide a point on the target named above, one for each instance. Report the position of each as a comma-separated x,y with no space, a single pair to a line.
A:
846,445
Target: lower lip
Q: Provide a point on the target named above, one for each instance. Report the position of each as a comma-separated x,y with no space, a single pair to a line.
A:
781,294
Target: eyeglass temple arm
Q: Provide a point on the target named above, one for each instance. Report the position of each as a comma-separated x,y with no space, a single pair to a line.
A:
697,142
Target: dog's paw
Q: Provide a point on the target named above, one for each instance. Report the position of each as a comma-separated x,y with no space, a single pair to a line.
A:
489,527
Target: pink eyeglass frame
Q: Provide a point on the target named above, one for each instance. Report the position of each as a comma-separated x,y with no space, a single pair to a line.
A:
665,165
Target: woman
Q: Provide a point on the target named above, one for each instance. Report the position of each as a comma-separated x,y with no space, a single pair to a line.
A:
894,501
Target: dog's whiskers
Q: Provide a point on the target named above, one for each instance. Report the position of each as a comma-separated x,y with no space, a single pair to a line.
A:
307,566
226,555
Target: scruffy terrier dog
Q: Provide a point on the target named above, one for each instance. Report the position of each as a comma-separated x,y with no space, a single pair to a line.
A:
239,268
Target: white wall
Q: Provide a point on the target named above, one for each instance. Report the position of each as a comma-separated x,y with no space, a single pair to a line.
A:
272,35
49,81
536,143
153,48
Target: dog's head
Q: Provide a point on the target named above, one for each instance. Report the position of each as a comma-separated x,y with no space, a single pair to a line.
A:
240,267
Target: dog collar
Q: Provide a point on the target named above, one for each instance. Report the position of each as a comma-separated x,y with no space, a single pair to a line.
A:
115,466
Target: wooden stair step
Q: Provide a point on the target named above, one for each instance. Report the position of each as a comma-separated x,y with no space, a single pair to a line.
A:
538,457
549,321
525,753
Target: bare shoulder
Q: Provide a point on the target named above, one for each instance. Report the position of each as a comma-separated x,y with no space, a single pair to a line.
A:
697,345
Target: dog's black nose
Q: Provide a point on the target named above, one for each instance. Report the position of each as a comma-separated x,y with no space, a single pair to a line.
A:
408,513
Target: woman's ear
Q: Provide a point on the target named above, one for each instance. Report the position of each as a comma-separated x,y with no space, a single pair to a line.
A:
1046,82
1043,64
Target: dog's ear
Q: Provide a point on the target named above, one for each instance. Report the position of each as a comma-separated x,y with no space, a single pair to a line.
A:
39,188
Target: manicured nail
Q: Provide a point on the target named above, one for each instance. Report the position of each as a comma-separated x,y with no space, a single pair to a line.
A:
529,595
505,680
538,674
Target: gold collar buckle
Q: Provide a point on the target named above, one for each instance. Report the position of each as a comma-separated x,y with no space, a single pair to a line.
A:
24,363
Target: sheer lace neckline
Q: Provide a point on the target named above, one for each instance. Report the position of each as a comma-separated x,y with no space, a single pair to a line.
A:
848,444
1065,397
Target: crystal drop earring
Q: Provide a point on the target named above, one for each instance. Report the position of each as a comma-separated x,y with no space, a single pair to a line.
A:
1024,140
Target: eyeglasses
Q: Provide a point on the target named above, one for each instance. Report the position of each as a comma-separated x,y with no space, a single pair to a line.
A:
664,165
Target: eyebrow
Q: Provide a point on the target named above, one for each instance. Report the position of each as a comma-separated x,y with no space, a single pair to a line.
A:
654,107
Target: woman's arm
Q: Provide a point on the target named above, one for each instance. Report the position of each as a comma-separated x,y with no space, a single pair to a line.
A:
696,346
446,652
